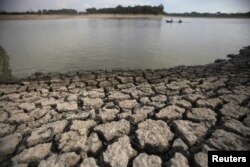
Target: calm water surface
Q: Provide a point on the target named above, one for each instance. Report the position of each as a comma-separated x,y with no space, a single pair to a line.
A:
83,44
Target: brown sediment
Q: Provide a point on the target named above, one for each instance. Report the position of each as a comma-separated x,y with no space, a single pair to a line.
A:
126,118
5,72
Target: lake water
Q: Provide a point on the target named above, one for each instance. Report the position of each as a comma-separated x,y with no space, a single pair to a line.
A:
84,44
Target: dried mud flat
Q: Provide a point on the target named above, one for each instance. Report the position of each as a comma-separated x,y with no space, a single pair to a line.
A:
148,118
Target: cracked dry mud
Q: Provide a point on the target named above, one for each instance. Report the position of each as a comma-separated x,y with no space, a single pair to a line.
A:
150,118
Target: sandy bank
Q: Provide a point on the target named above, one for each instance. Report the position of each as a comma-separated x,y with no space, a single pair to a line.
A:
104,16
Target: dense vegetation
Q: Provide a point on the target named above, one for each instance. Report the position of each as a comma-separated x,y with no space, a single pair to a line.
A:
45,11
218,14
60,11
129,10
117,10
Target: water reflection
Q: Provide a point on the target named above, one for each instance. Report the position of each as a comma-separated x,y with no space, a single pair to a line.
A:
5,72
87,44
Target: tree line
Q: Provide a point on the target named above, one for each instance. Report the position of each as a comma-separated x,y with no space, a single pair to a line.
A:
218,14
117,10
128,10
44,11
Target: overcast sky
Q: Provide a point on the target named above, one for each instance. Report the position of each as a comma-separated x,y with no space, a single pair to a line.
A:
170,5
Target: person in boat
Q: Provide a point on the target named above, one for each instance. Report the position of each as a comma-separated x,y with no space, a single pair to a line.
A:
171,20
180,21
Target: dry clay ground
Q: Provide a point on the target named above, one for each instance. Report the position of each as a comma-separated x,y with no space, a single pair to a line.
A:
148,118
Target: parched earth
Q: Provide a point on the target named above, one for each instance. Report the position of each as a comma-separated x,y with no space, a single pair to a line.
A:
150,118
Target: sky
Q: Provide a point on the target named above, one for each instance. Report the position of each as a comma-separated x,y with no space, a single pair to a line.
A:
170,6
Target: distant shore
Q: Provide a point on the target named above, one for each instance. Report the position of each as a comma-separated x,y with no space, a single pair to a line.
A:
60,16
206,17
101,16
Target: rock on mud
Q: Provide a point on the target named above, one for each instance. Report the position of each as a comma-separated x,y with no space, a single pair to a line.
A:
8,144
223,140
144,160
66,159
154,136
32,154
113,129
119,153
178,160
190,132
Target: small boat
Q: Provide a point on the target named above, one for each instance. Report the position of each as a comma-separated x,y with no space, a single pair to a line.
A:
180,21
169,21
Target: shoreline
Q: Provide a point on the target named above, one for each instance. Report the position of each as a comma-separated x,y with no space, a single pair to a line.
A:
207,17
41,75
101,16
83,16
94,118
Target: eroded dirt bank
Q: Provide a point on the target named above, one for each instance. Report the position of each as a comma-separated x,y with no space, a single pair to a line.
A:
127,118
